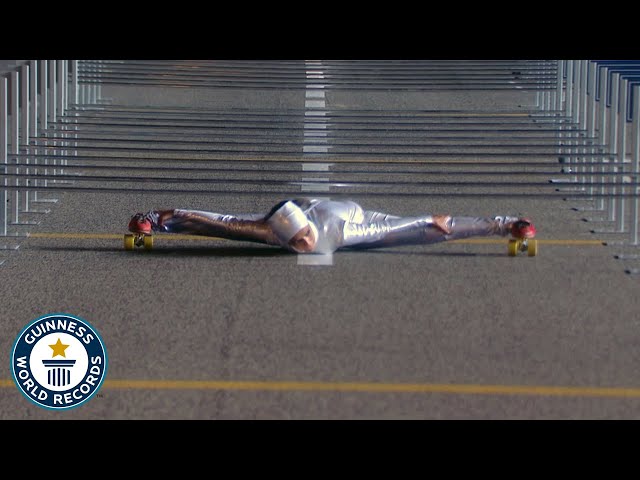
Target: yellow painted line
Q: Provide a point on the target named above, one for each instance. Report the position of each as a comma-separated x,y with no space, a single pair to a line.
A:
114,236
177,236
83,236
540,241
459,389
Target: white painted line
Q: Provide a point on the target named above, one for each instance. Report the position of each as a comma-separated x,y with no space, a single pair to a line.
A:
315,134
314,149
314,186
315,94
315,140
316,167
319,181
315,125
315,259
314,104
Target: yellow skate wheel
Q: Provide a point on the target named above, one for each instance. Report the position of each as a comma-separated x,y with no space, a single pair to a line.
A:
148,242
514,246
129,241
532,248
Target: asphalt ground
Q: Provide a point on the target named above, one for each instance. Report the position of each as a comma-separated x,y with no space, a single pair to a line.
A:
213,329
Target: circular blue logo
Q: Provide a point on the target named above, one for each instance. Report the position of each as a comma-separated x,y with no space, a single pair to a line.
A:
59,361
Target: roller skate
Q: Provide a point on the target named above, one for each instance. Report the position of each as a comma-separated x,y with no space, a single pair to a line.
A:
523,232
141,225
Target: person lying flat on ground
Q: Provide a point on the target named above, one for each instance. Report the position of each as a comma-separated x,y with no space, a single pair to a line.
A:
312,225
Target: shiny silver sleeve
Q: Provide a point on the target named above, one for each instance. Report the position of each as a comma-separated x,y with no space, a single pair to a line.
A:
233,227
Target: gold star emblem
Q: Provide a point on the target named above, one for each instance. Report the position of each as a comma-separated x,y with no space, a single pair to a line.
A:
58,348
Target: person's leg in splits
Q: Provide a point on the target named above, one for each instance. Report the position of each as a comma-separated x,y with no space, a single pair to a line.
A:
249,227
383,230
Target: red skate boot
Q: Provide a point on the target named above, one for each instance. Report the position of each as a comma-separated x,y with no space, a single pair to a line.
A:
523,228
141,224
523,232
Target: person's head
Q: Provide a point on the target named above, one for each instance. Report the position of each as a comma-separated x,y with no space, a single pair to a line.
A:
291,226
304,240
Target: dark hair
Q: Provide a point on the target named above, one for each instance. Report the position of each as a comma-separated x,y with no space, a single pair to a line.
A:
277,206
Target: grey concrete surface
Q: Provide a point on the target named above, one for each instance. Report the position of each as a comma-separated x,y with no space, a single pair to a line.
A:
214,310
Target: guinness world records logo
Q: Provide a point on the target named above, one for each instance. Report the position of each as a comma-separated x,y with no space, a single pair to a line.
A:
58,361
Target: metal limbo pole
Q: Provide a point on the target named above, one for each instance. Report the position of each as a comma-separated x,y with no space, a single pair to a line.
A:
622,153
44,110
4,197
613,139
31,132
99,84
14,142
92,85
582,119
74,83
60,87
548,94
569,113
4,162
53,103
74,89
636,164
65,86
568,97
82,88
590,117
45,102
575,113
24,127
17,111
557,101
33,118
602,129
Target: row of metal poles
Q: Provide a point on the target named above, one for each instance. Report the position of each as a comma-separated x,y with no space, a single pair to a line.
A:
34,96
369,75
601,100
345,136
127,131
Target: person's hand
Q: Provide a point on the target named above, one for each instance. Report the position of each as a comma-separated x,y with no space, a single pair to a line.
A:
442,223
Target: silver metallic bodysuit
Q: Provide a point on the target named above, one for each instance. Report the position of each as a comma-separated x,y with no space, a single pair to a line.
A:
336,224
